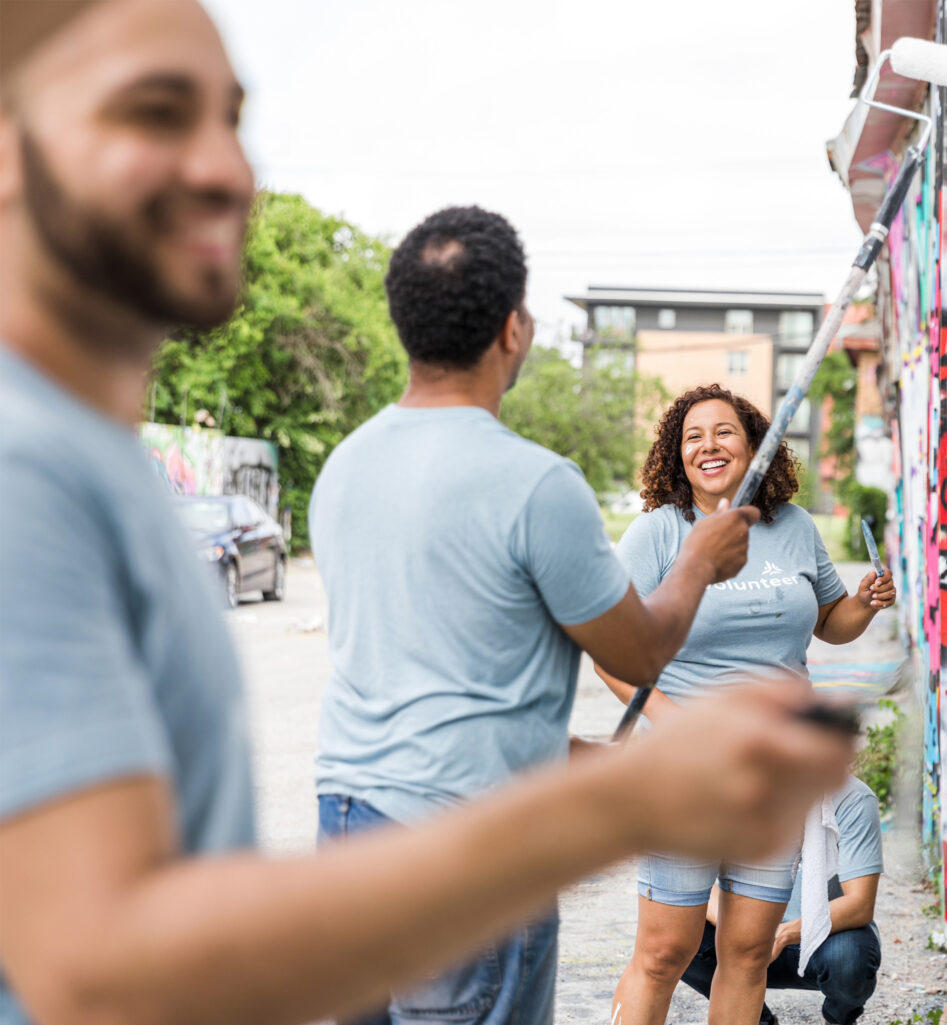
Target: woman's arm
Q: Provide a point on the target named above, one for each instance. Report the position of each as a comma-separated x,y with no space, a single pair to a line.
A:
656,708
843,620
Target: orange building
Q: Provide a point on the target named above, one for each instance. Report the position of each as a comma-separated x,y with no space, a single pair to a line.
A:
750,342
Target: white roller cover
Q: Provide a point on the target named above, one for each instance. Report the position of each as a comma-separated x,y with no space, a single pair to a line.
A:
920,59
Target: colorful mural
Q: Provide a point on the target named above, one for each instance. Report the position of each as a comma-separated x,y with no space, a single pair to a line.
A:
188,459
911,290
202,461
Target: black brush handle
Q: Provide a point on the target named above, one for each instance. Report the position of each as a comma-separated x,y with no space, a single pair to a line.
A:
633,710
832,717
873,245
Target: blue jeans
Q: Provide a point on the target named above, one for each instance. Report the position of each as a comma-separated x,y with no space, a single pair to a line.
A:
510,983
844,969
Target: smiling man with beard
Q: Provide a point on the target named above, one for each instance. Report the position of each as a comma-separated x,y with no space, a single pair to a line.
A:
128,889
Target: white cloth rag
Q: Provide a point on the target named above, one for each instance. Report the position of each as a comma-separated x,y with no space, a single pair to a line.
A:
819,864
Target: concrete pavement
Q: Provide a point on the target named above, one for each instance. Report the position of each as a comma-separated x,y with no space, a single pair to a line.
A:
288,667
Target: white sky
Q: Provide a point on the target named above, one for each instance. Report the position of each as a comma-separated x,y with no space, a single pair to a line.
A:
631,142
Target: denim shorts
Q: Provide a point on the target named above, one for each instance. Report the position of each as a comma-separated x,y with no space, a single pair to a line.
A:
509,982
686,883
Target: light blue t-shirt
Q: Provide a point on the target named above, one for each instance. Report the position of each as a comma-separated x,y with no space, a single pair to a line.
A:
762,618
113,660
859,844
450,549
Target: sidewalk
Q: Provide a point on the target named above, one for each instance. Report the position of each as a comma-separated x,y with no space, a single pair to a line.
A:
599,916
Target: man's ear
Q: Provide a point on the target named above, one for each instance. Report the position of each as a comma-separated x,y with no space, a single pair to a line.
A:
509,336
11,166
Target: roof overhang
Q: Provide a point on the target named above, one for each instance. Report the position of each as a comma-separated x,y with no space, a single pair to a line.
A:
678,297
859,154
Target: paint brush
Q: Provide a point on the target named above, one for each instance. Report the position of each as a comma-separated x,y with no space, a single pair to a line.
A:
841,718
914,58
876,562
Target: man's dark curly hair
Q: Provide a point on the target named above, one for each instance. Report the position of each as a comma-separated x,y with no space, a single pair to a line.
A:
666,483
452,283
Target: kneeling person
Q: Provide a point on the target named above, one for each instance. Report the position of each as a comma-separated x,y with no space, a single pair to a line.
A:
845,967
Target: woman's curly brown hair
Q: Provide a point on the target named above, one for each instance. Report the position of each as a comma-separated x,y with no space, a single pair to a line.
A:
666,483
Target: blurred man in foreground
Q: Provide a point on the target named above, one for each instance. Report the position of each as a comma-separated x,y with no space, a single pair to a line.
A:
128,887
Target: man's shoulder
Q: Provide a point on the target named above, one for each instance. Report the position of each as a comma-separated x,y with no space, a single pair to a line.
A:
854,790
857,811
482,443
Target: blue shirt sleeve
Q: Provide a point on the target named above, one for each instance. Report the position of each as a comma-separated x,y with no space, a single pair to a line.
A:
859,849
562,544
75,706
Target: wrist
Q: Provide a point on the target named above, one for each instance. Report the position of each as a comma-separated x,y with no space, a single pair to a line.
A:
697,565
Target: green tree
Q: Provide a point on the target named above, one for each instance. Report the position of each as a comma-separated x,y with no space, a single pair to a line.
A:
836,378
597,416
308,355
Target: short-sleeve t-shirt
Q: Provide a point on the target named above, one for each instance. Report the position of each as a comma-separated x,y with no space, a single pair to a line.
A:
113,660
859,844
763,617
451,549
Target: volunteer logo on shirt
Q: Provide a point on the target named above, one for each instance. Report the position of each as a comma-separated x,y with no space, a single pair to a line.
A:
770,569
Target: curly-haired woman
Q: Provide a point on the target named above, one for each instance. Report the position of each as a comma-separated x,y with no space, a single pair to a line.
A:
761,620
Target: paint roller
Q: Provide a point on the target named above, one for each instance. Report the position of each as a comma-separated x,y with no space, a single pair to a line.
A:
913,58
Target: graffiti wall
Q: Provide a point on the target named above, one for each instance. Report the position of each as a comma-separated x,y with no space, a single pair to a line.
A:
249,468
911,291
188,459
202,461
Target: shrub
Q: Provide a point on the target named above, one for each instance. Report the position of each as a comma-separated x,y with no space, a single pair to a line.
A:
877,762
872,504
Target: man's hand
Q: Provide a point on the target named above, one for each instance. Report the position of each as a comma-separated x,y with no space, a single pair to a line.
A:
787,934
731,776
721,540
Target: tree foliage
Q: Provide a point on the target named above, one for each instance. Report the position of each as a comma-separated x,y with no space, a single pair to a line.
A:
837,378
309,354
598,416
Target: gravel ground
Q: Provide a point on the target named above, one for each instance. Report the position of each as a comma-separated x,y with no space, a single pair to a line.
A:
286,657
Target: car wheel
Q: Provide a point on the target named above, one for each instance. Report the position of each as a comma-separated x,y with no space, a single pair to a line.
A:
231,585
279,582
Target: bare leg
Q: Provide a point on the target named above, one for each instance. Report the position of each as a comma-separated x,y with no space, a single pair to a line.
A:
745,932
667,940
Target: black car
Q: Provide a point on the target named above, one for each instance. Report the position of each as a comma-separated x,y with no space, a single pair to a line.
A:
243,542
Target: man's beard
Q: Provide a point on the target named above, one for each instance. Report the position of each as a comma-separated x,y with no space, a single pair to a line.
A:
104,258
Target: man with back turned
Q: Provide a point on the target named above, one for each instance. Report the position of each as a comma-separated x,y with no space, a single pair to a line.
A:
466,568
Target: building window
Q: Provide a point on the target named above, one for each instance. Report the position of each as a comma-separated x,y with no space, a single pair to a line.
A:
615,323
667,319
738,322
788,365
795,327
737,362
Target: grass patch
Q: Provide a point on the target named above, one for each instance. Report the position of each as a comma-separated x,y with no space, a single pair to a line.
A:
616,523
832,529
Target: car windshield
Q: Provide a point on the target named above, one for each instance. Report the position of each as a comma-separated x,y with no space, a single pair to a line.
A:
206,516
